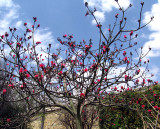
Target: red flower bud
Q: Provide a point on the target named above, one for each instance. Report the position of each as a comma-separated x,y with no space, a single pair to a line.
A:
4,91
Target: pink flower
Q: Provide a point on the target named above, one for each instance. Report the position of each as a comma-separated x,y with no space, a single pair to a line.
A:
87,46
116,15
98,80
142,106
42,76
156,82
126,78
82,95
60,73
125,59
36,76
81,63
53,64
115,88
11,85
140,99
21,70
131,33
27,75
149,110
124,53
38,42
99,89
28,30
85,70
8,120
21,86
38,25
155,107
99,25
125,36
25,70
4,91
41,65
65,36
35,19
25,24
137,81
63,65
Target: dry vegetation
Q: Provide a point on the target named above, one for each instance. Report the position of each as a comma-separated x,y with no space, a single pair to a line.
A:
51,122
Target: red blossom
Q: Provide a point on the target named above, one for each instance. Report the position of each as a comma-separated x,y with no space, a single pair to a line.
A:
25,70
124,53
99,25
65,36
116,15
42,76
126,78
53,64
131,33
125,59
38,42
11,85
137,102
82,95
35,19
27,75
115,88
8,120
155,106
142,106
28,30
85,70
21,70
41,65
25,24
63,65
36,76
60,73
4,91
156,82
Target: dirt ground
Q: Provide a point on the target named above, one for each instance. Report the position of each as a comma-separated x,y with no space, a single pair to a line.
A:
51,122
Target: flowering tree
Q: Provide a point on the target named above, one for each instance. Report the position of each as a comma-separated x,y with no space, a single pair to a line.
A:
82,77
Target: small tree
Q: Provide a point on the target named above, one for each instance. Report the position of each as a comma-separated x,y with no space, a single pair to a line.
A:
82,77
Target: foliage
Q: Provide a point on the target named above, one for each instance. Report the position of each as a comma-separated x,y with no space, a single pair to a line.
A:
129,116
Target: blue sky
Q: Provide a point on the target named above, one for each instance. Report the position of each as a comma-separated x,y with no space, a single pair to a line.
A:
58,17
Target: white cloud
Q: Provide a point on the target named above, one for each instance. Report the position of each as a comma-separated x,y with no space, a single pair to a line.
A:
46,38
19,24
8,13
154,37
104,6
6,3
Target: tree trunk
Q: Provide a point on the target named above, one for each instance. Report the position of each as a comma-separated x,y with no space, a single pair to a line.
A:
43,118
79,122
